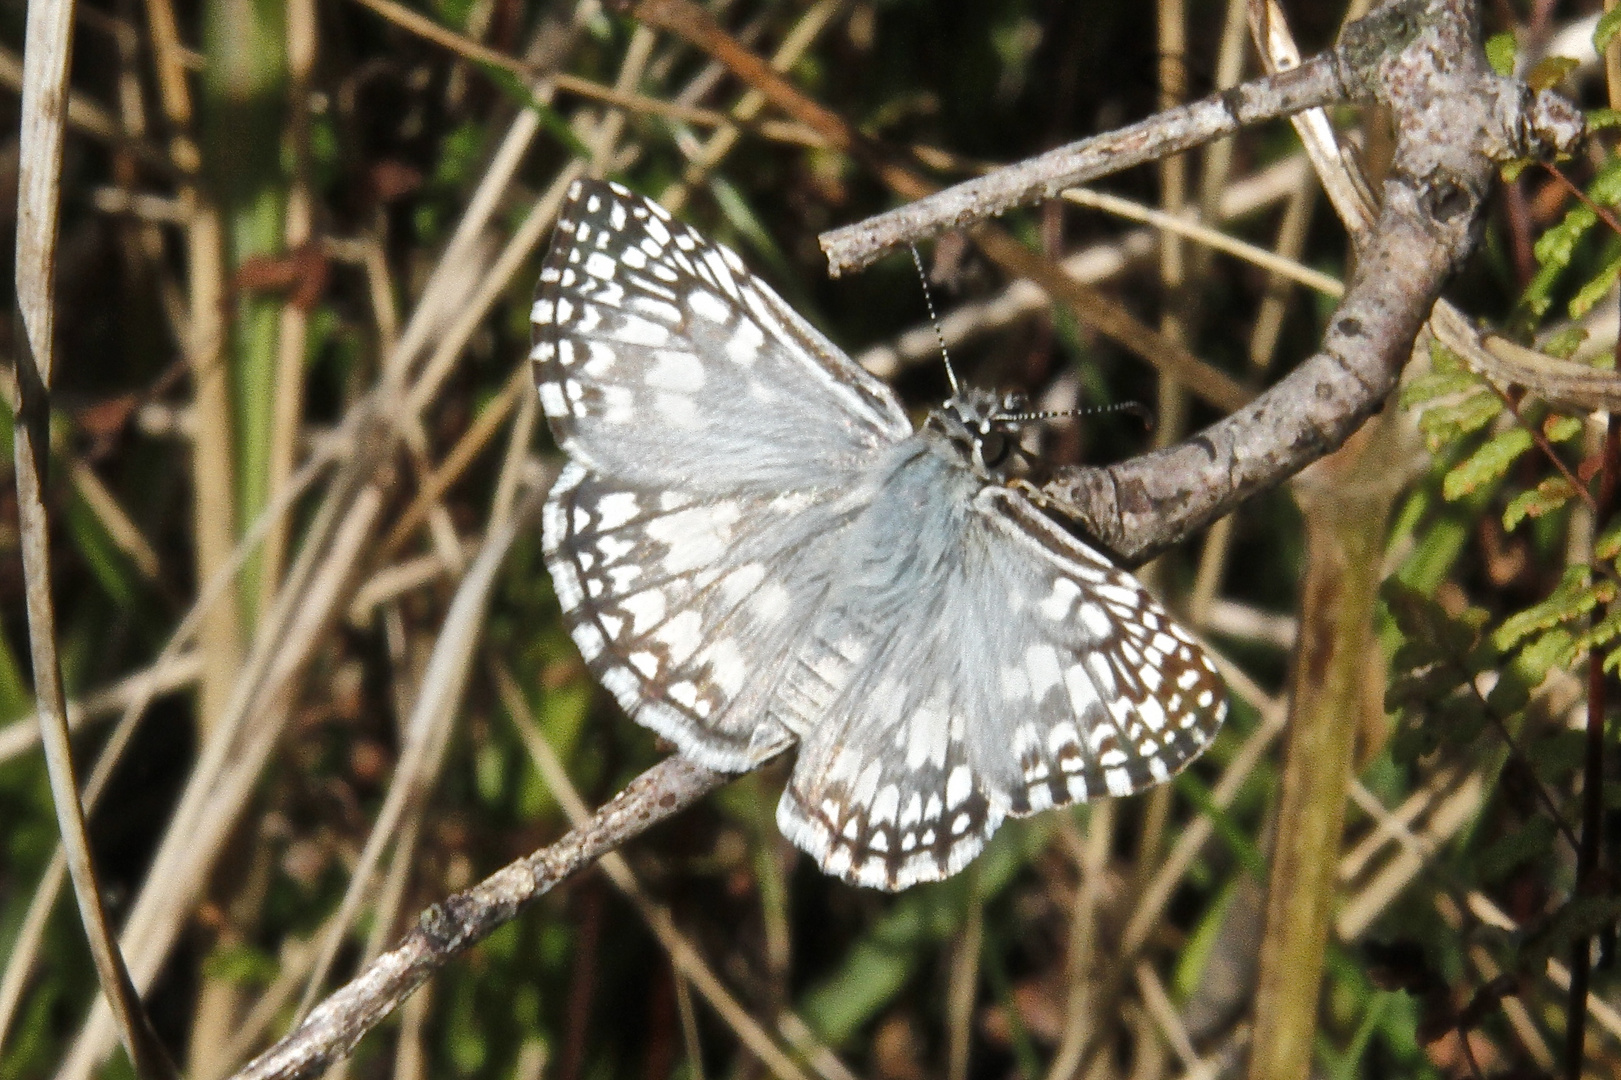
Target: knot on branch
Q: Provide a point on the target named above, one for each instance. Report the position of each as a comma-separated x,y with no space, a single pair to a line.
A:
443,928
1540,124
1369,44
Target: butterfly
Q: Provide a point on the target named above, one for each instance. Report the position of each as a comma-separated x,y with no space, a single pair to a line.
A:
753,547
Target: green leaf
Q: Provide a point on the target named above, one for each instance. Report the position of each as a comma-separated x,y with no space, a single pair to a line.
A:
1573,597
1487,464
1500,49
1437,384
1443,359
1606,186
1596,288
1596,636
1555,247
1510,170
1563,344
1599,119
1559,428
1543,655
1545,498
1447,423
1608,544
1550,71
1608,24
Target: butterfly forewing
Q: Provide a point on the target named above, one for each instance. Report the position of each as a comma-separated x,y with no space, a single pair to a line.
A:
752,546
661,361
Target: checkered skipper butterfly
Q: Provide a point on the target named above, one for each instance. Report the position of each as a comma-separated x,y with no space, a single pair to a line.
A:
752,546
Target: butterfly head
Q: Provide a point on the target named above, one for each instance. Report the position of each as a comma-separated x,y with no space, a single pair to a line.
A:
984,426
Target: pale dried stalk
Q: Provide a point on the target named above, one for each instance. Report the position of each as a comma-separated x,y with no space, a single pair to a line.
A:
45,103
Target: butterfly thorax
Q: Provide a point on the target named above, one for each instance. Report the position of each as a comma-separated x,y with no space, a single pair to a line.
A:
984,427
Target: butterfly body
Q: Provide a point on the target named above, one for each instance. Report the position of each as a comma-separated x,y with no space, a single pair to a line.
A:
753,547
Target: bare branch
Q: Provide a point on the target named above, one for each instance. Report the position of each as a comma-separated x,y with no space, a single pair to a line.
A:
1314,83
450,927
1456,121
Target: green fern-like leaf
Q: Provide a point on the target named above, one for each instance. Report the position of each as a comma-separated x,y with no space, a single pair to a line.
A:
1608,544
1448,423
1437,384
1542,655
1487,464
1599,119
1575,596
1500,49
1563,344
1608,24
1559,428
1596,636
1545,498
1598,287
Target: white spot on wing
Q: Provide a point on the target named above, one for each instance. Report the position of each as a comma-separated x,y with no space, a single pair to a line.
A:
646,610
709,305
679,371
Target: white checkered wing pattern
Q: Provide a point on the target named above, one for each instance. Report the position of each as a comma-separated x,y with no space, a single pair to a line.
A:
715,439
663,363
751,546
684,608
1033,674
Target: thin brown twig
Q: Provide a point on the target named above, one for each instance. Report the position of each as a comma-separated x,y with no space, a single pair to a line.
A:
478,53
1093,308
1601,212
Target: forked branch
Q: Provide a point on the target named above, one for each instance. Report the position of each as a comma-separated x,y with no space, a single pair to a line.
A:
1456,123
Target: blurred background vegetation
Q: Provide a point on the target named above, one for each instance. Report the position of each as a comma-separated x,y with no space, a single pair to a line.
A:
298,248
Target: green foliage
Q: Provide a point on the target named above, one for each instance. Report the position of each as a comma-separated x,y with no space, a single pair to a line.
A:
1500,50
1576,595
1545,498
1487,463
1608,24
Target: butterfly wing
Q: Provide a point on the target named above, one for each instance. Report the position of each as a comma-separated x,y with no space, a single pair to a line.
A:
663,363
717,440
1029,673
684,607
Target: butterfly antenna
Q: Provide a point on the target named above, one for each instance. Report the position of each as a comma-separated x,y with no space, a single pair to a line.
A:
1135,408
939,335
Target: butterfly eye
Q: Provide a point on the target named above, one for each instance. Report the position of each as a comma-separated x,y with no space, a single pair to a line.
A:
992,448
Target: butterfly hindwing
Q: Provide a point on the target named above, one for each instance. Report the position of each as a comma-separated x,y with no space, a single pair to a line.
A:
1018,681
1099,689
683,606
